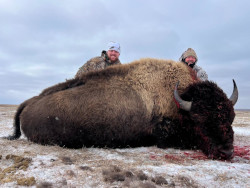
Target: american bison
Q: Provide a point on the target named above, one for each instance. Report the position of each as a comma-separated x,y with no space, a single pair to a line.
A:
132,105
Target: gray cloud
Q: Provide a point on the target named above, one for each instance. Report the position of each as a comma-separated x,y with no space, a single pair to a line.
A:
44,42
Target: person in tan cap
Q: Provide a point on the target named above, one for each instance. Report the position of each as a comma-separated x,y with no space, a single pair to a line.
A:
190,58
107,58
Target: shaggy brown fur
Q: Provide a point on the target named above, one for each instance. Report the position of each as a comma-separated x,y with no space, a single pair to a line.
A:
153,80
116,107
207,126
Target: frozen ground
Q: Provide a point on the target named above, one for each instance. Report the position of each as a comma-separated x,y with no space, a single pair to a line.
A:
23,163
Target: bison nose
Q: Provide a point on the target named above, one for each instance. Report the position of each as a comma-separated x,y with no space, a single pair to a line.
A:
227,154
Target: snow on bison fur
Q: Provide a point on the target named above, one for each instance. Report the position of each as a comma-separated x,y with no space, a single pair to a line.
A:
132,105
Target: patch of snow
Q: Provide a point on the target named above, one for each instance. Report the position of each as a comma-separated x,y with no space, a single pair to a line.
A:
244,131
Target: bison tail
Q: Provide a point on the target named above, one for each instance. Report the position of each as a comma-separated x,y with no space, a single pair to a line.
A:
16,125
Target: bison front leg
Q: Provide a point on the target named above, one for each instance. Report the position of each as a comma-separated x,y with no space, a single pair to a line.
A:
168,134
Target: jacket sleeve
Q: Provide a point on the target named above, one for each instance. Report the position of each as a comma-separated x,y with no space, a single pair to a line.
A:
83,69
91,65
201,74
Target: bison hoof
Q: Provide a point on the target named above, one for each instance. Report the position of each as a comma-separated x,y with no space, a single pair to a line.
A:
13,137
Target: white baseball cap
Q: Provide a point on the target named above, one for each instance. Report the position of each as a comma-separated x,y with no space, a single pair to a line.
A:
114,46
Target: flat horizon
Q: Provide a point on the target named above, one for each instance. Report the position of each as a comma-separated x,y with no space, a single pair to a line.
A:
241,109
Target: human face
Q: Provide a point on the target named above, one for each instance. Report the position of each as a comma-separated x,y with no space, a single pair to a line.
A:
113,55
190,60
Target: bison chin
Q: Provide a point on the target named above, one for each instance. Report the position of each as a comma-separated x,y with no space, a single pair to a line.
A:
224,151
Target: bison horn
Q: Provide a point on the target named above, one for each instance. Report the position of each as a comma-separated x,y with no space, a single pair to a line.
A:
234,96
185,105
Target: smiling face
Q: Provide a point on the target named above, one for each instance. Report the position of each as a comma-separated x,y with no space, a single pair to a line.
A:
113,55
190,60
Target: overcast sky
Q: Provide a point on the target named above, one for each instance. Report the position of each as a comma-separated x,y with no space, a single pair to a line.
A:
44,42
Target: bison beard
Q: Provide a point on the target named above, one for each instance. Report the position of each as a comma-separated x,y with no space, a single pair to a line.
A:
129,106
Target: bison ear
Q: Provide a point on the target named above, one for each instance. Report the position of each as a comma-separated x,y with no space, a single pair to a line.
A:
184,105
235,94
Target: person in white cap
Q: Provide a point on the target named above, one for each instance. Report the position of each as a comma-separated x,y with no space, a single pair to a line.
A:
107,58
190,58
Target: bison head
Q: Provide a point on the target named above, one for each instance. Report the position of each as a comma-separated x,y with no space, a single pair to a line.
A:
207,121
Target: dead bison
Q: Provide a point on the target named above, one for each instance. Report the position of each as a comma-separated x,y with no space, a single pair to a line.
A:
132,105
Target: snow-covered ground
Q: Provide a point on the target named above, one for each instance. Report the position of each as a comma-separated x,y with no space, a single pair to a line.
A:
23,163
